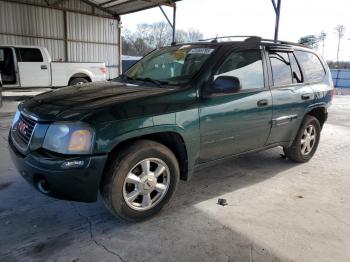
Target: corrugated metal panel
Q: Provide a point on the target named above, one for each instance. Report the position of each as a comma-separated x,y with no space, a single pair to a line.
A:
76,5
19,23
79,52
92,28
30,20
341,78
55,47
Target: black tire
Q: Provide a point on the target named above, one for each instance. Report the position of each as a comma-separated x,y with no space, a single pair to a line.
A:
294,152
121,163
78,81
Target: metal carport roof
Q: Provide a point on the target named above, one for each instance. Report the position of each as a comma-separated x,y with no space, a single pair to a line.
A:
122,7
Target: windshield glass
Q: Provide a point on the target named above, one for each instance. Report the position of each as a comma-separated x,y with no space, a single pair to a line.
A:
171,65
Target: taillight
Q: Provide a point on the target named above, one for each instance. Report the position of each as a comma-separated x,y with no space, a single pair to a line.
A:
103,70
332,88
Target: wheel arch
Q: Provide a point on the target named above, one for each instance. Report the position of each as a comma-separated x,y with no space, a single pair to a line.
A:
79,75
319,112
173,140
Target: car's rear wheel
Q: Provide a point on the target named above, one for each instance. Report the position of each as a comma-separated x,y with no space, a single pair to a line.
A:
78,81
306,142
140,180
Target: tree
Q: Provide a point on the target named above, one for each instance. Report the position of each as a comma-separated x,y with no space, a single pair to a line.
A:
194,35
339,31
322,37
309,40
136,45
151,36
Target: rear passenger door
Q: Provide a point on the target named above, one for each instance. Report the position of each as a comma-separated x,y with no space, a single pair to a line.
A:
235,123
290,93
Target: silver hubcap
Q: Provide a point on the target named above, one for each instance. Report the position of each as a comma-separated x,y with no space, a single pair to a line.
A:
308,140
146,184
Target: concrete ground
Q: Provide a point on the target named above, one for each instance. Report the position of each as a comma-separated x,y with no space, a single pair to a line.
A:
277,211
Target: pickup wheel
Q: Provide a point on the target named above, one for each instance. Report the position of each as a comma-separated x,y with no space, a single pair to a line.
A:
306,142
78,81
140,180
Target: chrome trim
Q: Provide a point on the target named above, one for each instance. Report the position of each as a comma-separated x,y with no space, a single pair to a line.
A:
283,120
16,144
29,116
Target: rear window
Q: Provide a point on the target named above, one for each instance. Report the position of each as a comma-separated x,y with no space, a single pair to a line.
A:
314,70
30,55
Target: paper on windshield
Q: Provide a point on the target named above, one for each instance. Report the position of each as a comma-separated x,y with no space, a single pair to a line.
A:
204,51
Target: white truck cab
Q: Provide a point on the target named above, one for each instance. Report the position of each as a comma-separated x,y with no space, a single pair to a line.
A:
31,66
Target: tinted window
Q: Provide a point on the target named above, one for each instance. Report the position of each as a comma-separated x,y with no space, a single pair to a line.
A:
246,66
312,66
30,55
296,72
2,57
281,70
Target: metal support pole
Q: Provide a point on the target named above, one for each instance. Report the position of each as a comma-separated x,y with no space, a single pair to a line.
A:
174,23
65,34
277,9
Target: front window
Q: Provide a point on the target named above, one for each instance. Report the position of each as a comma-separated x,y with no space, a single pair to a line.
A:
174,65
247,66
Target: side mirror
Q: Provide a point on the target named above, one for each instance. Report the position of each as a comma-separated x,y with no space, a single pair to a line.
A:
226,85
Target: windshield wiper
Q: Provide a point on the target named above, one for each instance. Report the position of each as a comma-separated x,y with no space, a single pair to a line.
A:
125,78
153,81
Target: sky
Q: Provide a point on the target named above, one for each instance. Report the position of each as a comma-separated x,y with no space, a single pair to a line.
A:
257,17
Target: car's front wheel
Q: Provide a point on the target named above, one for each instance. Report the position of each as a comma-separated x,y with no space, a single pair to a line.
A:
140,180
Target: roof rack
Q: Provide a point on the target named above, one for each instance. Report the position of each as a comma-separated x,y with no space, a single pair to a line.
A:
215,39
253,38
282,42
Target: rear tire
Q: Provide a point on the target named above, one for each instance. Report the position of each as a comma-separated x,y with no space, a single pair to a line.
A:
78,81
140,180
306,141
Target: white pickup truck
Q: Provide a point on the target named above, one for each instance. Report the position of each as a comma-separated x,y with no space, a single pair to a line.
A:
31,66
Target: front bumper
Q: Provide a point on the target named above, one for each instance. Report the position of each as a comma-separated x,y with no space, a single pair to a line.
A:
77,184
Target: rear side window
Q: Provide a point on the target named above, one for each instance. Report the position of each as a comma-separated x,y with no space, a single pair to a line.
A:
281,70
30,55
314,71
246,66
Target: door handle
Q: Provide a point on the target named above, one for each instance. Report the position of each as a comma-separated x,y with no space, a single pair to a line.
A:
305,97
43,67
263,102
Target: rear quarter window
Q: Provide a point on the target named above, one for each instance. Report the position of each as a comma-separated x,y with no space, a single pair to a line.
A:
313,68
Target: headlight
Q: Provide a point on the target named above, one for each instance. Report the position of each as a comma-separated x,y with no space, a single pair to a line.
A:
69,138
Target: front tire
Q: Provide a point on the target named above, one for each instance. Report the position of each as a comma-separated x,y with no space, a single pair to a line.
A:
140,180
306,142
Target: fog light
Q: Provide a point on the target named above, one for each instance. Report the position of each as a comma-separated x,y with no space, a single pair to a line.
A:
73,164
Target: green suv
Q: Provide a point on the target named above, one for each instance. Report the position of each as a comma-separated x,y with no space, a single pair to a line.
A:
179,108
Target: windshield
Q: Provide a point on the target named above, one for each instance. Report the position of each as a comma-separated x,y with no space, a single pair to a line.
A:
171,65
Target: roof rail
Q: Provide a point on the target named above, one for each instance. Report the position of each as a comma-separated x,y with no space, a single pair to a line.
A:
215,39
254,38
282,42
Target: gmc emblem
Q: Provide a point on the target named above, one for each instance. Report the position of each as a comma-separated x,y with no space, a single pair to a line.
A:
22,127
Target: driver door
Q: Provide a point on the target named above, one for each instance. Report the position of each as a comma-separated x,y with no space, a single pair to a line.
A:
238,122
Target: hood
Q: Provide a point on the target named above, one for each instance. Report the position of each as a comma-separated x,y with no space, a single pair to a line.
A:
78,102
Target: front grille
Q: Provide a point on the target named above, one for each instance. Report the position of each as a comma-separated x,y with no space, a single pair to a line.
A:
22,131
